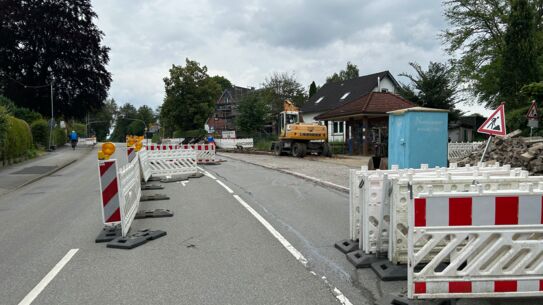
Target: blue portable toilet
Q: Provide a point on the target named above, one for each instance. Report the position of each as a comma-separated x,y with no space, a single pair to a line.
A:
418,136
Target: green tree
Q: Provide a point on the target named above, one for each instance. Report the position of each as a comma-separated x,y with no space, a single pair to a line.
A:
102,120
350,72
433,88
519,64
223,82
281,86
476,39
312,89
252,114
53,41
123,125
190,97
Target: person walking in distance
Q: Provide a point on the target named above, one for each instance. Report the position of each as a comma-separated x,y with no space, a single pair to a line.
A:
73,139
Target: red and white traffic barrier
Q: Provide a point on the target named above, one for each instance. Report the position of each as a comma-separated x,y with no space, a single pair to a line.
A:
131,153
206,153
109,190
489,242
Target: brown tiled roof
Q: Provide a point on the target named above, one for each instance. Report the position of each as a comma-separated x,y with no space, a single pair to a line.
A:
372,103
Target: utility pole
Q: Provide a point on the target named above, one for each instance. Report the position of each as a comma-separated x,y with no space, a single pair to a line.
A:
52,117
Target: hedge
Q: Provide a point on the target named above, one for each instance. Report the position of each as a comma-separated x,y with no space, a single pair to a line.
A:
81,129
60,136
40,132
18,140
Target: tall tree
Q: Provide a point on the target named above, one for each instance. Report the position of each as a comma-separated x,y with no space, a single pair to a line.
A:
223,82
101,121
433,88
475,37
55,42
281,86
312,89
190,97
350,72
519,64
252,114
124,125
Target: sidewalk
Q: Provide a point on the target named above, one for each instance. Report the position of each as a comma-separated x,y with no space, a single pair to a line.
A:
333,172
18,175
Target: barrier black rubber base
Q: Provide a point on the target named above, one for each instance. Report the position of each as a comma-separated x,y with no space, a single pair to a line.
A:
154,197
196,175
150,187
150,234
388,271
154,178
346,245
108,233
403,300
129,242
359,259
153,213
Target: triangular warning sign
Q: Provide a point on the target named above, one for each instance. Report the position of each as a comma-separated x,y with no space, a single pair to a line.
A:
532,112
495,124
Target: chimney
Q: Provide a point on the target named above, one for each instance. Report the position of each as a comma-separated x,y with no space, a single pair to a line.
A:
378,84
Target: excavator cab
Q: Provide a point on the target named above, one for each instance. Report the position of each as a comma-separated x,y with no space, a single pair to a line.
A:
287,118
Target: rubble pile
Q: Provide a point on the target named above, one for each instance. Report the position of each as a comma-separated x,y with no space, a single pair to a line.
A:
511,149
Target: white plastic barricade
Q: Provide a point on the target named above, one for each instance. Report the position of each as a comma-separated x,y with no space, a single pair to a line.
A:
144,164
130,189
234,143
163,163
398,242
493,244
206,153
86,141
375,194
458,151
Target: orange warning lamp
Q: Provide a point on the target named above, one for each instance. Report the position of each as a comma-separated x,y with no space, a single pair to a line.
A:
108,149
101,155
138,145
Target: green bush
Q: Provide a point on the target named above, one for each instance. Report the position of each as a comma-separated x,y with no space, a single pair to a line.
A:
18,140
156,138
40,132
177,134
60,136
4,120
19,112
264,145
190,133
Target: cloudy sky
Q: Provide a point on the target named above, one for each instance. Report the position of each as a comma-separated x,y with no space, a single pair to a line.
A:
248,40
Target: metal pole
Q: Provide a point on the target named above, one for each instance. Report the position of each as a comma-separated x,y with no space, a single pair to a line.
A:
486,147
52,118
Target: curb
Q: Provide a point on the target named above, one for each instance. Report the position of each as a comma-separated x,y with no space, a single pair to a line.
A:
320,182
49,173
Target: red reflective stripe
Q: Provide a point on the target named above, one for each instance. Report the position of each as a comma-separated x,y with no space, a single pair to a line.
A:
420,288
459,287
460,211
541,285
420,212
505,286
206,147
104,166
506,211
542,210
110,191
115,217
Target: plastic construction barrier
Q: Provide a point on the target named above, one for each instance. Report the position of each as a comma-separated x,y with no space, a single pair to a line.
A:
370,193
144,165
163,163
130,189
206,153
120,191
493,244
397,244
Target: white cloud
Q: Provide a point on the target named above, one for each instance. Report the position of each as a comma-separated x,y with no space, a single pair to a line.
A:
247,40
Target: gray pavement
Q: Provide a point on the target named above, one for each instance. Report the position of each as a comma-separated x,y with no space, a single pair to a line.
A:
17,175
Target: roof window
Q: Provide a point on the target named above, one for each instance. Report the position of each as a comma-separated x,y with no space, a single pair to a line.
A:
319,100
345,95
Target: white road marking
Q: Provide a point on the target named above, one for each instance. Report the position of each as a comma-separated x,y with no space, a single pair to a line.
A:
316,179
208,174
225,187
184,183
33,294
297,254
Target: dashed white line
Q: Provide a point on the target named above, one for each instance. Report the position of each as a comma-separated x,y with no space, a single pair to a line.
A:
33,294
225,187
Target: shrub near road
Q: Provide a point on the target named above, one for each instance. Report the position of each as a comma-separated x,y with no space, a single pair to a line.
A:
16,139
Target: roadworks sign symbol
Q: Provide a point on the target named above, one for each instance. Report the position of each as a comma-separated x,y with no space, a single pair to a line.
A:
495,124
532,112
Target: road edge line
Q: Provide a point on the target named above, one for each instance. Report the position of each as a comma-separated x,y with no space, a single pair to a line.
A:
35,292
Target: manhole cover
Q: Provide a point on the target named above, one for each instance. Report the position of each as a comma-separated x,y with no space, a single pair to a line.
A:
34,170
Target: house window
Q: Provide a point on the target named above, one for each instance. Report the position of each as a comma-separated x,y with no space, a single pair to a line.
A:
319,100
345,95
338,127
384,90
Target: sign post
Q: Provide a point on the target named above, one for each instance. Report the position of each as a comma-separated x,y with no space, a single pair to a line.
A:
533,117
493,126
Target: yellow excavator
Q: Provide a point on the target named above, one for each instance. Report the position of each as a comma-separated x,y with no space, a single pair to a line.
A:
298,138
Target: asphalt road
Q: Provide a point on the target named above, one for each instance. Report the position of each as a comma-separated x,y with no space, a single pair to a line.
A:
257,237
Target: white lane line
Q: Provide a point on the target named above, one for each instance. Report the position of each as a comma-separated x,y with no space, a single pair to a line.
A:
299,256
207,173
33,294
317,180
229,190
